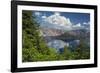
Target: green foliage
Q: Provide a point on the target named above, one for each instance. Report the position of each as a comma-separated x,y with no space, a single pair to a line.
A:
67,53
34,47
82,52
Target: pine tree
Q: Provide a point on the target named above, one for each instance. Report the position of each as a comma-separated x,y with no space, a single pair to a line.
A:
34,46
67,53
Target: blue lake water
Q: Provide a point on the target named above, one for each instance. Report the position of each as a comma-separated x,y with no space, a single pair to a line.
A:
60,44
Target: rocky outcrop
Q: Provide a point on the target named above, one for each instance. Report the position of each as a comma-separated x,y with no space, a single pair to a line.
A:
51,32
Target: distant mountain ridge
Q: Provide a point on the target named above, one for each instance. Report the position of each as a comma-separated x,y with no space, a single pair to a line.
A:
51,32
77,34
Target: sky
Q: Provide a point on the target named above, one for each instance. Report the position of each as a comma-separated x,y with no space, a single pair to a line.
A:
66,19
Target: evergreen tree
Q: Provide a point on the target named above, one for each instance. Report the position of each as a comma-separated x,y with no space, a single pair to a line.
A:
34,46
82,51
67,53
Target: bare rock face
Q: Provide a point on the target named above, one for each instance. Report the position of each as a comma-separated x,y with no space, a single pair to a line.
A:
51,32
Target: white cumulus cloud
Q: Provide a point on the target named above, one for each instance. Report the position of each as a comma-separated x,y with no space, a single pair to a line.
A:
77,25
57,19
57,13
37,13
44,17
86,23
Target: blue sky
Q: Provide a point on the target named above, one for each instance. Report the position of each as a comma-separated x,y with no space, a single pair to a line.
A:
77,17
74,17
63,20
